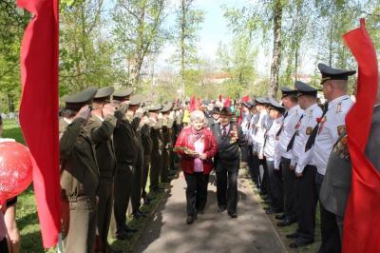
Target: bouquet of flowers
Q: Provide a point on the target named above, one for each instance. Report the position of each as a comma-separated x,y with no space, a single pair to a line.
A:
234,135
186,150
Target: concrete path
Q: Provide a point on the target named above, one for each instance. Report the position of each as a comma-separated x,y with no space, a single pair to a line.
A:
215,232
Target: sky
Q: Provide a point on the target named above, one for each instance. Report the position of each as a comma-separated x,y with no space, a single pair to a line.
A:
213,29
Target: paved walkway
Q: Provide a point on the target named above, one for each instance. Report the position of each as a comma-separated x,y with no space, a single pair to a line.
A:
215,232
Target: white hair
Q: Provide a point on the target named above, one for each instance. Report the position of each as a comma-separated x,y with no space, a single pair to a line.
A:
197,115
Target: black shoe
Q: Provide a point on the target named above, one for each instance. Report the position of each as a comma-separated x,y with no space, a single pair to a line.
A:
233,215
129,230
121,235
190,219
280,216
300,243
139,214
221,209
293,235
285,222
272,211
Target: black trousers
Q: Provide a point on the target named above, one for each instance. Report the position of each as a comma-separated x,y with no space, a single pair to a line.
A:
165,166
263,176
329,228
105,202
308,198
137,182
289,186
196,192
255,171
145,172
155,169
122,192
274,189
226,184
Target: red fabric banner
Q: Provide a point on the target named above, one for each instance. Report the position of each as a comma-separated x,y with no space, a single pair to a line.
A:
39,110
361,224
245,98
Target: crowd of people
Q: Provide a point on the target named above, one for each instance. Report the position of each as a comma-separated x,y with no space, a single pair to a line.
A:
112,142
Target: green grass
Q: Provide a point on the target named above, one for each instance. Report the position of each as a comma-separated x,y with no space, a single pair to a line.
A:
27,219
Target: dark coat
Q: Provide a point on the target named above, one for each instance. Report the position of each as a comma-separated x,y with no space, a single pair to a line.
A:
126,142
228,150
101,134
79,170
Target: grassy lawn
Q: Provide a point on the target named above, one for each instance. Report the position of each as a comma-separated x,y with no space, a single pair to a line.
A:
27,219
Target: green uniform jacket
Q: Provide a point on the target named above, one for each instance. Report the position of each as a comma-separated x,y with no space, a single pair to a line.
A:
101,133
79,170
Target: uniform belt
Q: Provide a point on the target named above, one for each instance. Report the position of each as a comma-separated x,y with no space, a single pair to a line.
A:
80,198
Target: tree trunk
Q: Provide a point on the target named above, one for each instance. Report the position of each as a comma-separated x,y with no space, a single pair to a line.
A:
182,45
276,61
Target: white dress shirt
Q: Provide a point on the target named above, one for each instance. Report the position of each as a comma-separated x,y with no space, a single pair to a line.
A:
288,130
271,139
329,130
308,122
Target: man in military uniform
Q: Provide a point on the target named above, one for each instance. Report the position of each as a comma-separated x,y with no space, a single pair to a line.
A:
331,126
100,128
79,174
126,149
156,120
229,138
303,168
167,125
138,114
283,156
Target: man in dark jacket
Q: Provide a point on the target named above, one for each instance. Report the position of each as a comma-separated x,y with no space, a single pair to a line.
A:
126,149
100,127
229,138
79,174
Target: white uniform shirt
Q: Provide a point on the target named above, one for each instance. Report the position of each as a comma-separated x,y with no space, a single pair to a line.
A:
332,125
252,128
258,138
271,139
308,122
288,130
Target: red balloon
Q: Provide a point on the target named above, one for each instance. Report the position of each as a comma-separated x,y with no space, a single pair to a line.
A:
16,168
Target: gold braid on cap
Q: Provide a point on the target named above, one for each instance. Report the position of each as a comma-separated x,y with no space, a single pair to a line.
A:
324,79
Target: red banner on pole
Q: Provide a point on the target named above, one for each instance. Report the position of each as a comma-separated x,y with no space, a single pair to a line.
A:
39,110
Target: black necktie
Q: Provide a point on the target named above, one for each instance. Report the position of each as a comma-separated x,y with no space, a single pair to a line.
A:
313,135
291,142
224,131
282,125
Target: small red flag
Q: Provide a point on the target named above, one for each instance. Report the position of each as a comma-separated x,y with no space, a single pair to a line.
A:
361,226
39,110
227,102
245,98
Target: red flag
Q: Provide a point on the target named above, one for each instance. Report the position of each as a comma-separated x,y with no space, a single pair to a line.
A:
245,99
192,104
227,102
361,226
39,110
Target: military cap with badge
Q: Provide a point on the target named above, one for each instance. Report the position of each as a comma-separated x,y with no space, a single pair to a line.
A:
286,91
329,73
304,89
275,105
104,94
122,95
76,101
